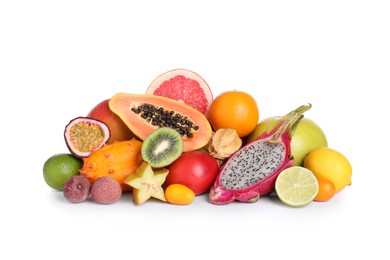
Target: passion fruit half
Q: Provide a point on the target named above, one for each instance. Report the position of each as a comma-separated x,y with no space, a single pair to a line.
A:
83,135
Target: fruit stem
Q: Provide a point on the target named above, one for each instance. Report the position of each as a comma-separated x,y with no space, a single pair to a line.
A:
290,121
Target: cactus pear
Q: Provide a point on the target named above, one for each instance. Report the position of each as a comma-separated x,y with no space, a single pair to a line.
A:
117,160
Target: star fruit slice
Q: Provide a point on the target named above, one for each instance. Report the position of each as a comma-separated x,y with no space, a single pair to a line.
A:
147,183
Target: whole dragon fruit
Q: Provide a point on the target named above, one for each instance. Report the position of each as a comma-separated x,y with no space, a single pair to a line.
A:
251,171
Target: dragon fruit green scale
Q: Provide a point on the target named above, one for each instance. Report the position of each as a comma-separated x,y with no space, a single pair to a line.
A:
251,172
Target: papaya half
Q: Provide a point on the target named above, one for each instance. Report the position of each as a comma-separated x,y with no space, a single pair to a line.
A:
143,113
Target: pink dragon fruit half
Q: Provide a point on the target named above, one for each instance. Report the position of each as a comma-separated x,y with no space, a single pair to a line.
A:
251,171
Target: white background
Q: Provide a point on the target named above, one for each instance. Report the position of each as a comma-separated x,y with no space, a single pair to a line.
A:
58,59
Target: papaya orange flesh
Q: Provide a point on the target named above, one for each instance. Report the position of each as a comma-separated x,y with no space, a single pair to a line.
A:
143,113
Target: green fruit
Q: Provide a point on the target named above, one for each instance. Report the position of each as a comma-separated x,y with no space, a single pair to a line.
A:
163,146
59,168
296,186
307,136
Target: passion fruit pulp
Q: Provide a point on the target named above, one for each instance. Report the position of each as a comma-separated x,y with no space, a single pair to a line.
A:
83,135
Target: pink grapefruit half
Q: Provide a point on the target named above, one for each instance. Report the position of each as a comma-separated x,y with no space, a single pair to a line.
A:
185,86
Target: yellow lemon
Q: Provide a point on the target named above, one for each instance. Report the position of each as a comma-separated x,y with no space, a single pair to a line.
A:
329,164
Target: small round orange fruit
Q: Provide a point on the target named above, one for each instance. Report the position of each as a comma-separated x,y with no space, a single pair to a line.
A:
179,194
326,190
329,164
234,109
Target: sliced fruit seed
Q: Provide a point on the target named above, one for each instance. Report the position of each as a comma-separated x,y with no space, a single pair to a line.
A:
86,136
157,116
163,146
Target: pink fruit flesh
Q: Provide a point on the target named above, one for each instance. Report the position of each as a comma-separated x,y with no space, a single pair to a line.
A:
252,171
185,86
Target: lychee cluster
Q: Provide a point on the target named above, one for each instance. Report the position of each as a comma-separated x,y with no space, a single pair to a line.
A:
105,190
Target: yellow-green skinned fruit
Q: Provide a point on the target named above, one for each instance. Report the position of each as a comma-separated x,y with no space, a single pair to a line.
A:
307,136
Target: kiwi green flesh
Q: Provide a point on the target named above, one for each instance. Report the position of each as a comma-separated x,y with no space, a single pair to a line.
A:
162,147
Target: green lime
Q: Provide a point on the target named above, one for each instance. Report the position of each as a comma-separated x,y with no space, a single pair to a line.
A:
296,186
306,137
59,168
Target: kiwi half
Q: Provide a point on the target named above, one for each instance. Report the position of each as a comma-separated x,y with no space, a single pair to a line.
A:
163,146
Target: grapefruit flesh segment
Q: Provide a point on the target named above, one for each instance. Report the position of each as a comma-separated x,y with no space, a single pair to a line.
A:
185,90
185,86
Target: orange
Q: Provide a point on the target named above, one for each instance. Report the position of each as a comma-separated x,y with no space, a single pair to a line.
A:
234,109
326,190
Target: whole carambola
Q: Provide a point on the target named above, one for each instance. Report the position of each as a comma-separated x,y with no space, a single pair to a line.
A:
252,171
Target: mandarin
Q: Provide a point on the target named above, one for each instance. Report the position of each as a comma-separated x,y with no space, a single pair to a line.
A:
326,190
234,109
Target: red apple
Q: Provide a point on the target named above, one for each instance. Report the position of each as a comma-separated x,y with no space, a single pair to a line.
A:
119,131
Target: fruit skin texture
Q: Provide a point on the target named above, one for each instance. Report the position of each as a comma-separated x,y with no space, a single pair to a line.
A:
234,109
119,131
106,190
306,137
84,135
59,168
116,160
122,103
330,164
185,86
77,188
326,190
179,194
195,169
252,171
